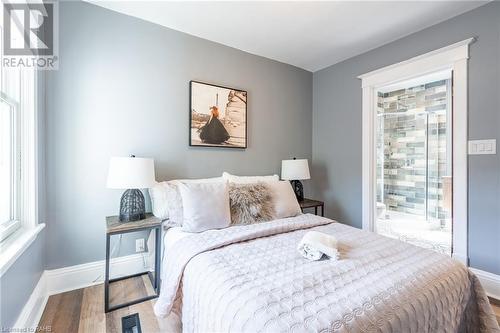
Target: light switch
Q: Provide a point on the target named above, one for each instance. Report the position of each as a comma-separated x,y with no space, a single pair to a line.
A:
482,147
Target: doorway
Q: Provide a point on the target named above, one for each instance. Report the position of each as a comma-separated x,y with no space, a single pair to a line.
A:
453,59
414,161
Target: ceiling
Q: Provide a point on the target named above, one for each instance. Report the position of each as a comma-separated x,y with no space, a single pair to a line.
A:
310,35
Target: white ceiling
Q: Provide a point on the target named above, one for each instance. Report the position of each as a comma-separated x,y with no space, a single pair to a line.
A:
307,34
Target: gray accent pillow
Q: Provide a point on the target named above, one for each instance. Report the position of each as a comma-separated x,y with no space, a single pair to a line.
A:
250,203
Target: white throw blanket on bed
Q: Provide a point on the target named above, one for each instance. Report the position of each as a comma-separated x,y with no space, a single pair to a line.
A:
315,244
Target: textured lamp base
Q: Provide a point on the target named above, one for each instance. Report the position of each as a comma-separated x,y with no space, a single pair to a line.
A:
132,206
298,189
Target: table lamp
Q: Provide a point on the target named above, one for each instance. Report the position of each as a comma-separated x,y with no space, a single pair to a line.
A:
295,170
131,173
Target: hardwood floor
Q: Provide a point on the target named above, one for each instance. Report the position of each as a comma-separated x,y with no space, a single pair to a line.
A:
82,310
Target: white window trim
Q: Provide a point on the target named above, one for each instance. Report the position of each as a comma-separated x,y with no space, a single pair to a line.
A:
28,212
15,245
8,228
453,57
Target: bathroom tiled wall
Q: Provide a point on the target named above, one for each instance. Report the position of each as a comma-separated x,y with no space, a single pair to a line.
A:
411,147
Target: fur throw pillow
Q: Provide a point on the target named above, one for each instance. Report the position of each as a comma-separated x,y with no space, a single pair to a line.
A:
250,203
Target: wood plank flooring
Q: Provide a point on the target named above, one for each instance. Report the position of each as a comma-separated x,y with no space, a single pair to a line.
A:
82,310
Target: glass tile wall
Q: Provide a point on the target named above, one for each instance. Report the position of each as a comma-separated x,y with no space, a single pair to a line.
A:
412,154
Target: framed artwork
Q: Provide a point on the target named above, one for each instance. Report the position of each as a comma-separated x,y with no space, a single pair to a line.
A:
217,116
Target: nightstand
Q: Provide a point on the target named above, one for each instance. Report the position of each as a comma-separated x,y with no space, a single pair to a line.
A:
115,227
309,203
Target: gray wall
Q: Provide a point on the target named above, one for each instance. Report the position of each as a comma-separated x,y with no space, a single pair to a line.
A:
122,88
17,284
337,125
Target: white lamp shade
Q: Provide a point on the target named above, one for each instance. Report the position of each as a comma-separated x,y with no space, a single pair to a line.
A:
131,173
295,170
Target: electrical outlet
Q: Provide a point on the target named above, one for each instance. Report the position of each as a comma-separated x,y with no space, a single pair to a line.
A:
139,245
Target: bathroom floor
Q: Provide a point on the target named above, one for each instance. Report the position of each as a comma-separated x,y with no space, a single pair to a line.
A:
416,231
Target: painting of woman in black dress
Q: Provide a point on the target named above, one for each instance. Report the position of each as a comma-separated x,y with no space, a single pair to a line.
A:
214,132
218,116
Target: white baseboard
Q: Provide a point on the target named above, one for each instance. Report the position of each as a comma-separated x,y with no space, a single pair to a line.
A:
74,277
489,281
33,309
92,273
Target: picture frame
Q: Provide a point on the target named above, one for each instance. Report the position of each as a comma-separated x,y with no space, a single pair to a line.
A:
217,116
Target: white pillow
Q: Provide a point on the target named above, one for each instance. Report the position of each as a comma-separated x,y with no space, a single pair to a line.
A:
174,204
166,199
159,199
205,206
249,179
285,201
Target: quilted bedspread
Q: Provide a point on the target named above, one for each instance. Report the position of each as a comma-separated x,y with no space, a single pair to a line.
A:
252,279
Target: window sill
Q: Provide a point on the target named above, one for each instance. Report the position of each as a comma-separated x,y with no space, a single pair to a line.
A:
14,246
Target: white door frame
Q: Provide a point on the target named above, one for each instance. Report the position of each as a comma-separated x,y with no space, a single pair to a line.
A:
453,57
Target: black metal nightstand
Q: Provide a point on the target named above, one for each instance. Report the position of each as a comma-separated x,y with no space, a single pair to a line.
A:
115,227
309,203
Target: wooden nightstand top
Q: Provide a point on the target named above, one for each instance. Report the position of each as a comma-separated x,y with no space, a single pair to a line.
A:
309,203
113,224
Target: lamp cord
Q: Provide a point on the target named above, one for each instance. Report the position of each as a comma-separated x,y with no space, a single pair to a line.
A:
113,250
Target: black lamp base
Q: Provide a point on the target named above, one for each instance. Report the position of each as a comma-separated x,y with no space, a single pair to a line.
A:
132,206
298,189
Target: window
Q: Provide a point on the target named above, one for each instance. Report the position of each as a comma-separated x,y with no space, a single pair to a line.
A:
17,150
9,166
19,101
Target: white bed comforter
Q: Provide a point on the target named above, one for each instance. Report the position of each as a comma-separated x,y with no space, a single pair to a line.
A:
252,279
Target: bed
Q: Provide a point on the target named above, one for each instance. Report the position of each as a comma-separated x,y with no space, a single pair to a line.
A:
251,278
